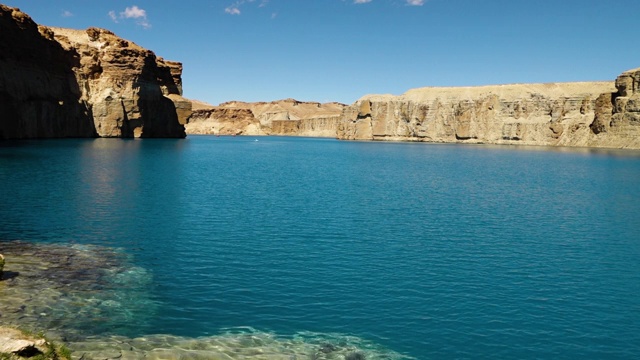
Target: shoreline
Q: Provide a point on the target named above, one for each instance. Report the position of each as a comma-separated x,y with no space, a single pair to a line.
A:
53,277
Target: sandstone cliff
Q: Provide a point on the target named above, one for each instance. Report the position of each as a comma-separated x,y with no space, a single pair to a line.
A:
594,114
283,117
58,82
39,94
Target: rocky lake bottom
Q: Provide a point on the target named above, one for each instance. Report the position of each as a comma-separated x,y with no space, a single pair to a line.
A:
75,294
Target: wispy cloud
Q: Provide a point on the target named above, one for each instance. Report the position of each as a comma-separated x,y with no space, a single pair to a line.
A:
112,15
234,9
67,13
415,2
133,12
361,1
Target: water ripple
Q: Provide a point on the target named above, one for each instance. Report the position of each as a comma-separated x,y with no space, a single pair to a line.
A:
434,251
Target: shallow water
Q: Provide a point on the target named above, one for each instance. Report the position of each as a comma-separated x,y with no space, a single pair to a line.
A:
432,251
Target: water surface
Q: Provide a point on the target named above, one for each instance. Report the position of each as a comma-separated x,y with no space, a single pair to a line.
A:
431,251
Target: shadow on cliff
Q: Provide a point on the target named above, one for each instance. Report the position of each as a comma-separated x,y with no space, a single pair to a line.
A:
158,111
39,94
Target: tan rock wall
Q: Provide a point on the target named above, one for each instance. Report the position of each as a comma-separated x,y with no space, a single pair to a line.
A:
285,117
58,82
39,94
129,90
570,114
223,121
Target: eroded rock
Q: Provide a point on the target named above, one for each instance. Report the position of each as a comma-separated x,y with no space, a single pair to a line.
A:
283,117
592,114
57,82
39,94
16,342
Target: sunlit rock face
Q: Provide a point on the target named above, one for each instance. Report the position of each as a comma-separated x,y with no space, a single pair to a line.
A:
288,117
57,82
593,114
126,86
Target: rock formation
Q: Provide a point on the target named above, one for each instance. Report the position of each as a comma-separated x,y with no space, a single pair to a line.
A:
58,82
283,117
592,114
39,94
15,342
587,114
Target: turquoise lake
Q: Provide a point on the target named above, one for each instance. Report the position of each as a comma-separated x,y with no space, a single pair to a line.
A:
429,251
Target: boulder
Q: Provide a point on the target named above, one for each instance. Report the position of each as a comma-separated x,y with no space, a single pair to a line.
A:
15,342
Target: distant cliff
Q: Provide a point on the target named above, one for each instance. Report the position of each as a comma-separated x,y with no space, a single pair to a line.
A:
595,114
283,117
587,114
83,83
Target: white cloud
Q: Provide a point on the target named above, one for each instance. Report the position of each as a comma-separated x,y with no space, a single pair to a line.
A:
361,1
67,13
232,10
133,12
415,2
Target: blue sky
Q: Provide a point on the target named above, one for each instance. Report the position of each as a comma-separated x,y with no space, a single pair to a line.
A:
340,50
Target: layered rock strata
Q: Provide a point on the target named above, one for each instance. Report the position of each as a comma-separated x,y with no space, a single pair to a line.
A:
58,82
39,94
593,114
283,117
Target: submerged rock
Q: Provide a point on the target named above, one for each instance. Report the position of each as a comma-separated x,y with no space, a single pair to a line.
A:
72,291
1,265
245,343
81,295
355,356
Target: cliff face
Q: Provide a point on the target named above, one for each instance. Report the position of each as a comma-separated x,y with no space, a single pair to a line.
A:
58,82
39,94
124,84
223,121
625,114
284,117
564,114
